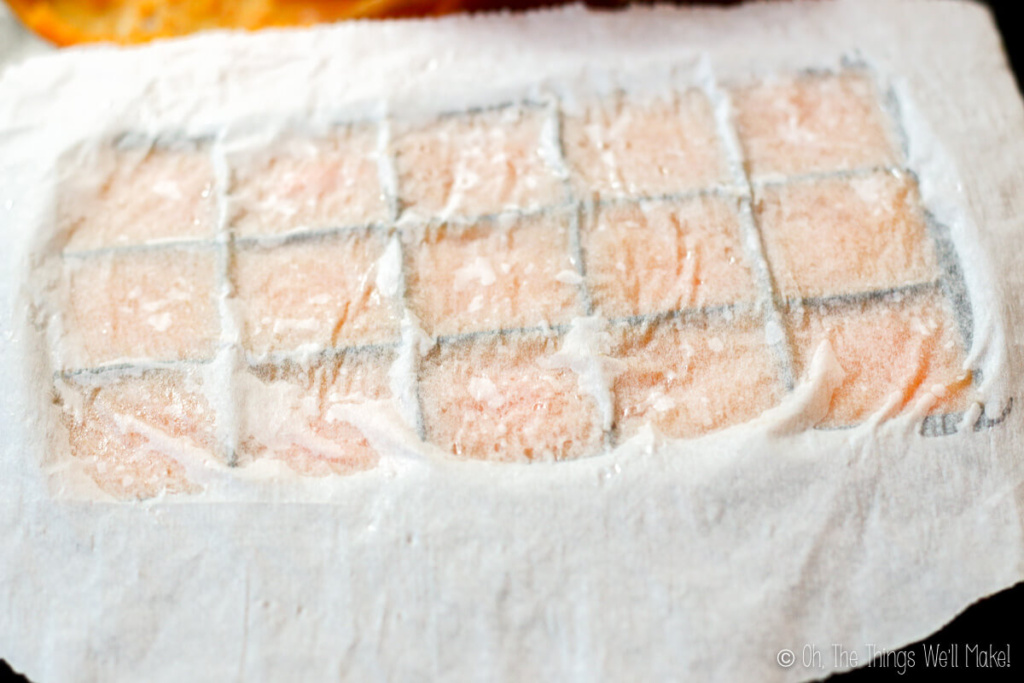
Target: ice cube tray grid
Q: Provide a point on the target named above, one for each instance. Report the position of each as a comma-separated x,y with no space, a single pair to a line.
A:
770,304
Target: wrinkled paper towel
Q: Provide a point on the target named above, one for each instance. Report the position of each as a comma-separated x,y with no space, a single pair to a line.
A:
660,560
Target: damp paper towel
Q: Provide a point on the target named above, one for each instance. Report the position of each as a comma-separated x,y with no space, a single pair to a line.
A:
655,558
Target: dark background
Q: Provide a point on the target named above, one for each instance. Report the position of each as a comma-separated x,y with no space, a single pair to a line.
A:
997,620
1011,30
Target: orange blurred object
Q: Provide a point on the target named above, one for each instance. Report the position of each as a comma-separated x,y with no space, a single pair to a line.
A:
68,22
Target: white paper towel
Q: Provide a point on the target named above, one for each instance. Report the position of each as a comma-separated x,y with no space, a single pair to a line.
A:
658,560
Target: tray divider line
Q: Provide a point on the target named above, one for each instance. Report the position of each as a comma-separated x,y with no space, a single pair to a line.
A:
555,143
776,334
821,176
229,358
404,375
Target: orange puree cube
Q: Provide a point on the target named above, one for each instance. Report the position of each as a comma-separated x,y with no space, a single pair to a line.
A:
490,276
147,304
626,148
893,352
497,398
316,294
136,435
844,236
811,124
307,183
301,414
136,195
475,164
687,378
655,257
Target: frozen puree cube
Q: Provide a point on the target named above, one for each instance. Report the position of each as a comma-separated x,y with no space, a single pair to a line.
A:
137,435
497,398
812,123
145,304
621,147
687,378
308,183
493,275
894,352
315,294
475,164
842,236
300,413
123,195
654,257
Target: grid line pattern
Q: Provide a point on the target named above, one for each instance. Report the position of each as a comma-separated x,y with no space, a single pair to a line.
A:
580,208
767,295
224,238
771,304
393,199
